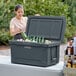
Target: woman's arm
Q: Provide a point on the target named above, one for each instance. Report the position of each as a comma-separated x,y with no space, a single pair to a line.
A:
13,29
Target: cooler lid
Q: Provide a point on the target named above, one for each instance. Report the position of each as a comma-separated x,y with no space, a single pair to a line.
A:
49,27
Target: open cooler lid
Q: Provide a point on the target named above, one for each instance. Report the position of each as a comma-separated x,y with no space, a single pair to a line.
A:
49,27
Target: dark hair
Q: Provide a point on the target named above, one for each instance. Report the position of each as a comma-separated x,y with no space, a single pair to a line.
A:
17,7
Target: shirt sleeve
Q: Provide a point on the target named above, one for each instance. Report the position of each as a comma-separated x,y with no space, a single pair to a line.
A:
11,24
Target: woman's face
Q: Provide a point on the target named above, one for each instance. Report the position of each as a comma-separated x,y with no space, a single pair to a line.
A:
19,13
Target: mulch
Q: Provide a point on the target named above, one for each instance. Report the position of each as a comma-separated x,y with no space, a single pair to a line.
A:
3,47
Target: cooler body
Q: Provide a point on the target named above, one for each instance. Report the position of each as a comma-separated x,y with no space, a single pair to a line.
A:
35,54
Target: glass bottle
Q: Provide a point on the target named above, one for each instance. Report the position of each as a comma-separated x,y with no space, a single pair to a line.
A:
69,62
70,49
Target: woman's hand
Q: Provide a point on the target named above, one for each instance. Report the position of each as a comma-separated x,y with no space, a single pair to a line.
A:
18,30
15,31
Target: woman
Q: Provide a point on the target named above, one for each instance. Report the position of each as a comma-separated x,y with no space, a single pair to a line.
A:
18,23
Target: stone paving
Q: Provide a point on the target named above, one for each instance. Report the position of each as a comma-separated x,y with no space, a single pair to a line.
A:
7,51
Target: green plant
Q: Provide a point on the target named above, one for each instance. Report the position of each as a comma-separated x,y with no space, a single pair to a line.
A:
72,10
5,37
70,31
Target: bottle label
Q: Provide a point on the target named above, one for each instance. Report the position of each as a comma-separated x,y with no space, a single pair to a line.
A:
74,66
69,65
69,52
